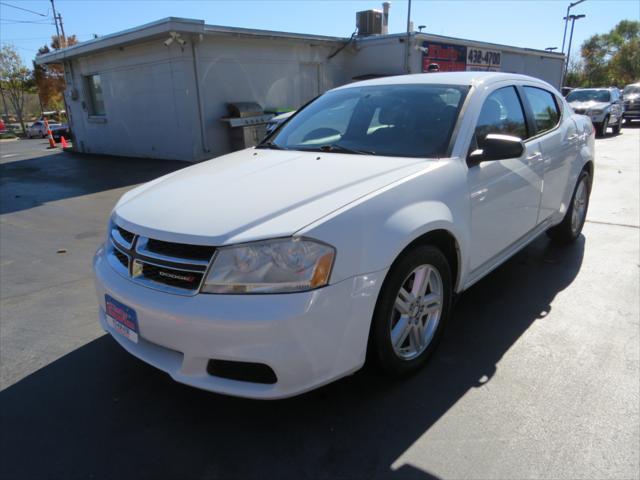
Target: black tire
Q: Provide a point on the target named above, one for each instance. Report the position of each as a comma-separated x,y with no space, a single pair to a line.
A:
380,348
564,233
601,128
617,127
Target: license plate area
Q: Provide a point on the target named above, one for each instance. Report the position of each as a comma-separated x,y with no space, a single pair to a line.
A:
122,319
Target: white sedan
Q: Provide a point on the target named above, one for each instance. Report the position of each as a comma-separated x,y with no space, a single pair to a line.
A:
345,235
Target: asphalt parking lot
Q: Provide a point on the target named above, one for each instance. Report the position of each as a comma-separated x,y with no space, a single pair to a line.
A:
537,377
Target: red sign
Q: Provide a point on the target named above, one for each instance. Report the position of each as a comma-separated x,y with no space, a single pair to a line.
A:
449,58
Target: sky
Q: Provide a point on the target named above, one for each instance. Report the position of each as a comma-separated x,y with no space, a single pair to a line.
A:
522,23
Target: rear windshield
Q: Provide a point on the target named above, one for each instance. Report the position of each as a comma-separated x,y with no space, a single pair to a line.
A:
389,120
589,96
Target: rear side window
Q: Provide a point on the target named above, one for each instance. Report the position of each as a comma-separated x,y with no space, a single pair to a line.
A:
544,107
501,113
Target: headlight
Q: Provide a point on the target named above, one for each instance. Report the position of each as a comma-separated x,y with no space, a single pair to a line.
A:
272,266
595,112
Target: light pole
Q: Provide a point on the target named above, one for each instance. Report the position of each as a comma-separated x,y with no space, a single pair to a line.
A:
573,19
566,20
407,66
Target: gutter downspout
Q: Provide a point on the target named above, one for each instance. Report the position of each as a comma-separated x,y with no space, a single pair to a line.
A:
203,138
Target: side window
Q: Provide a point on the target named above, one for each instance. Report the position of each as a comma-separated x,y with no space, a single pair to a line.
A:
501,113
544,107
96,102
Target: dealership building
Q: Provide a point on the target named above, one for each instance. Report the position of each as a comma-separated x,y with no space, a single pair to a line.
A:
180,89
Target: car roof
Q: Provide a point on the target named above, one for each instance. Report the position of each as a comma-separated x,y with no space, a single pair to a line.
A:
447,78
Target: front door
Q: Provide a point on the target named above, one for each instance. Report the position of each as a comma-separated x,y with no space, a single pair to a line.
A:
504,194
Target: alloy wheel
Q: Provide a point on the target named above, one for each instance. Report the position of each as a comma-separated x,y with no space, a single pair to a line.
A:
416,312
579,206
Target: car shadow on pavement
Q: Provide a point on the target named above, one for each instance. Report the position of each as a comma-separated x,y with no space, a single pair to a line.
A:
100,413
34,181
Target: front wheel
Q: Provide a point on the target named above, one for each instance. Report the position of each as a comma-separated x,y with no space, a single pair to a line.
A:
617,127
569,229
601,128
412,309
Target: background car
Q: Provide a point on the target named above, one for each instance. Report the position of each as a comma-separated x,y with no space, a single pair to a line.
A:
36,130
603,105
631,97
567,90
60,130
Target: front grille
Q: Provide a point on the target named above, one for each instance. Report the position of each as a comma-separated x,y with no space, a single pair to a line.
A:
122,258
128,236
172,277
168,266
181,250
242,371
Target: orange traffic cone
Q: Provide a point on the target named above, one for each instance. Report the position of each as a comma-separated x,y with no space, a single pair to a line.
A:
63,142
52,143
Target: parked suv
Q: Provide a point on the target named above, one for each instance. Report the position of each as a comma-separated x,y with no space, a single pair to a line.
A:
631,97
603,105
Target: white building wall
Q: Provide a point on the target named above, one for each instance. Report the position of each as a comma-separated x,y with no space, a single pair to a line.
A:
149,98
151,91
276,73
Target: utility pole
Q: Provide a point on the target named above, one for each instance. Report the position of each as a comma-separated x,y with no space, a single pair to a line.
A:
407,41
566,20
55,19
63,43
573,19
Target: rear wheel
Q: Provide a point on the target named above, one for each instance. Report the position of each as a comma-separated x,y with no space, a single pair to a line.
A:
569,229
412,310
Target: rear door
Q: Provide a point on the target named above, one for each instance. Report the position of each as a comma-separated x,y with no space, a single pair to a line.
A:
558,136
504,194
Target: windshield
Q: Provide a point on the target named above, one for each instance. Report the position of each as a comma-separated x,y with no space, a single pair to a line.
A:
392,120
631,89
589,95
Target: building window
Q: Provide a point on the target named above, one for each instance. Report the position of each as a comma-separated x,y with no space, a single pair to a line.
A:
96,102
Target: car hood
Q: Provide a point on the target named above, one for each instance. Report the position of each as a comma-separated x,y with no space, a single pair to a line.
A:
254,194
589,104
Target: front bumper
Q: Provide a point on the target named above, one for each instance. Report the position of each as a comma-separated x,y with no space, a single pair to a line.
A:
597,118
308,339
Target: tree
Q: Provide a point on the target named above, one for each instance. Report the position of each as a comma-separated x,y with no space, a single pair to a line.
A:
575,73
612,58
50,78
15,80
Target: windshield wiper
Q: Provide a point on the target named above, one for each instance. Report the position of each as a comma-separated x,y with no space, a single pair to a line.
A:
270,145
334,147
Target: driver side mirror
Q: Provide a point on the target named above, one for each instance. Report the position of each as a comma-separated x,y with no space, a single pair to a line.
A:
496,147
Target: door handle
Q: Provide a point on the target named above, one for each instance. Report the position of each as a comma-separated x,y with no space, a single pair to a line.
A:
532,157
573,137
